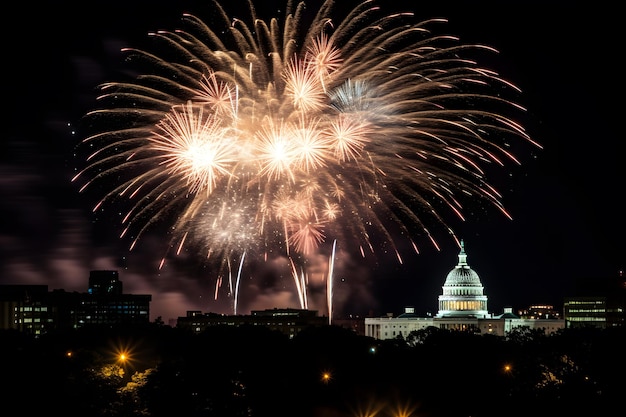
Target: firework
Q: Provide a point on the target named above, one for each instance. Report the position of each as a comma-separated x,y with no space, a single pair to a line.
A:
276,137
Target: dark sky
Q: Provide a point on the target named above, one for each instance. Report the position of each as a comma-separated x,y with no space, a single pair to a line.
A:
565,200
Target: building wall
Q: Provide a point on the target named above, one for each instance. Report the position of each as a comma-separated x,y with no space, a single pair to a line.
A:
391,327
384,328
286,321
35,310
585,311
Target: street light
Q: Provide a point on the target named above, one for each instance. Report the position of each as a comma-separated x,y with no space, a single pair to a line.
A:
326,377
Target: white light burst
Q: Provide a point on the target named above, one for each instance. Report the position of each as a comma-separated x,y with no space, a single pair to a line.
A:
277,137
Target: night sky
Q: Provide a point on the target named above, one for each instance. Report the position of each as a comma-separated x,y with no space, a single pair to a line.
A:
565,200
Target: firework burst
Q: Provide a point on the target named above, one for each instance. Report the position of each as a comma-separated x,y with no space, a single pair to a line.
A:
278,137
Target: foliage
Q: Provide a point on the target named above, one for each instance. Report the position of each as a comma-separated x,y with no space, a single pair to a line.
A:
253,371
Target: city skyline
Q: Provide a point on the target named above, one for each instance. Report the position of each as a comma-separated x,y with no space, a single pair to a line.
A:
564,199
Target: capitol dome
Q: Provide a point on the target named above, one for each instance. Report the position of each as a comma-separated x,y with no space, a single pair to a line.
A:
462,292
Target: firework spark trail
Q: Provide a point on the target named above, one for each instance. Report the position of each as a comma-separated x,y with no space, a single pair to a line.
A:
301,287
236,296
273,138
329,283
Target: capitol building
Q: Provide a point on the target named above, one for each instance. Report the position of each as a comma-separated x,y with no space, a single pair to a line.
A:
462,306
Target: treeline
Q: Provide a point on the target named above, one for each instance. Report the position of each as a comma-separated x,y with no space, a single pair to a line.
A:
324,371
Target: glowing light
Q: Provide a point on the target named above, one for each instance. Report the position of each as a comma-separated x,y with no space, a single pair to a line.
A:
346,128
372,408
236,297
329,283
326,377
404,410
124,354
301,287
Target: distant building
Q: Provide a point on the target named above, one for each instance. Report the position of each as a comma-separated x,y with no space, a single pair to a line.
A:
354,323
539,312
586,311
106,304
25,308
597,303
104,283
462,306
288,321
35,310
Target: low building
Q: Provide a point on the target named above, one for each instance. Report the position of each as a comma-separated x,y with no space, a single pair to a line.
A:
288,320
598,303
539,312
25,308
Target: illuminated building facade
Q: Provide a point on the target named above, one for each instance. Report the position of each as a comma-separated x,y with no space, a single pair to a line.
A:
597,302
462,306
585,311
539,311
462,292
35,310
106,304
289,321
25,308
